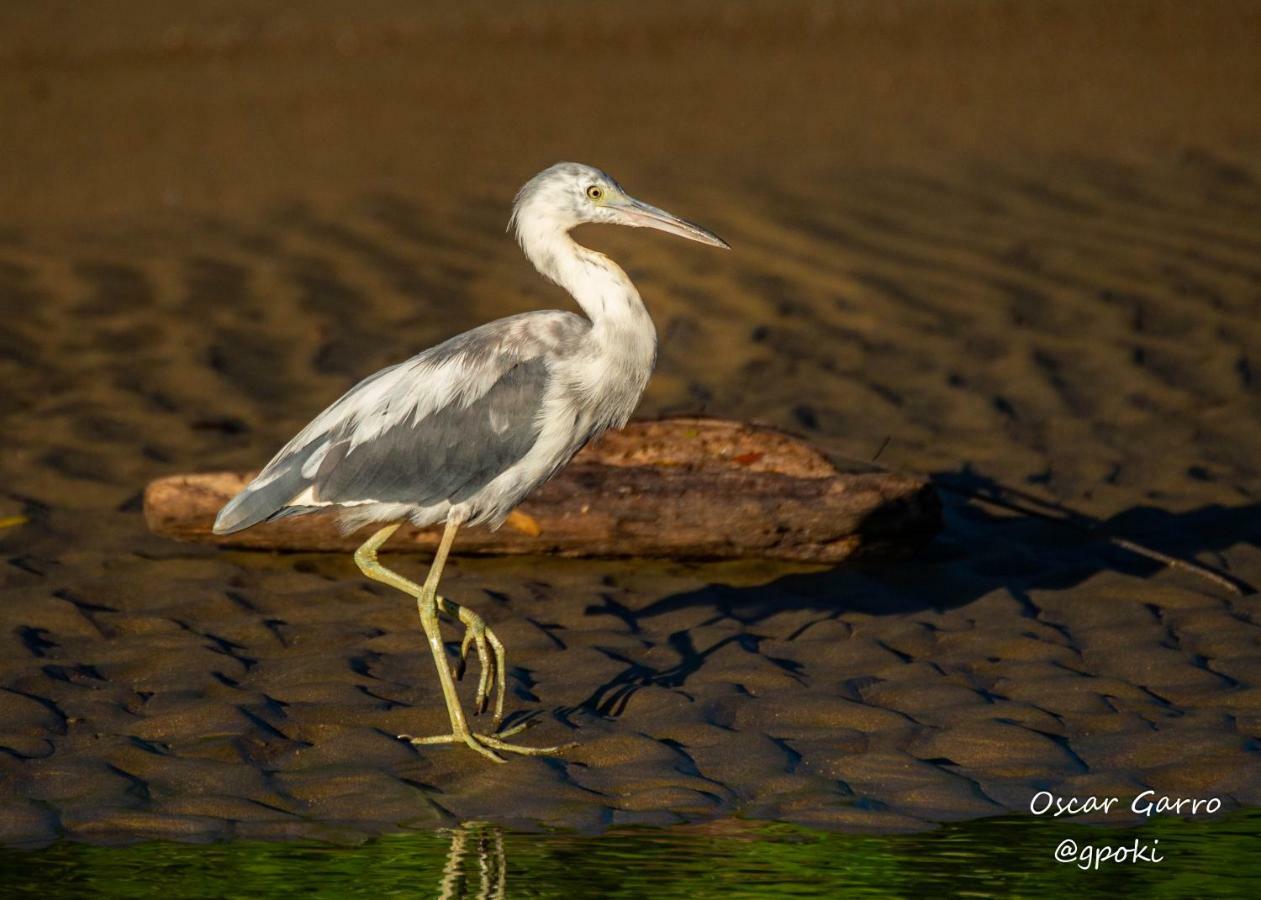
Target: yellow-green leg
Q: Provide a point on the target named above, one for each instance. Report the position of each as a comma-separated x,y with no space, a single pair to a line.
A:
490,650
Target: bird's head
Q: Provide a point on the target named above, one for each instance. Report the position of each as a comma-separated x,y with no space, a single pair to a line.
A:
569,194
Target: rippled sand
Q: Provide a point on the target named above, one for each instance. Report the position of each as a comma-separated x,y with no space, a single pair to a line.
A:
1011,243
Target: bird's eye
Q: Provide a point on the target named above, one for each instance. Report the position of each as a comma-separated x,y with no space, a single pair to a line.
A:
595,192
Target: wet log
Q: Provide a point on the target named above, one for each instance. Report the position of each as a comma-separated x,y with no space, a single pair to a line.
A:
684,488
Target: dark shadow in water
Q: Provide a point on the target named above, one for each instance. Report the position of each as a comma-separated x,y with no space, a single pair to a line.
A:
977,553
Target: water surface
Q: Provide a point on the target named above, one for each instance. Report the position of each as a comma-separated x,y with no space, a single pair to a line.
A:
1009,857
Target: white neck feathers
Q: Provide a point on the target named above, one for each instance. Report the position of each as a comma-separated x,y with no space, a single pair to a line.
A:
598,284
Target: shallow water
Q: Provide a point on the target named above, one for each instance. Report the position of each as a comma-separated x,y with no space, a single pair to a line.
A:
1012,857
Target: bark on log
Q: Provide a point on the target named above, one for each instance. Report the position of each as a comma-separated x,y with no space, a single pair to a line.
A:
680,488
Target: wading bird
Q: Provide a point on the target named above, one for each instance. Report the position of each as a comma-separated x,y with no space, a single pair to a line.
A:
462,432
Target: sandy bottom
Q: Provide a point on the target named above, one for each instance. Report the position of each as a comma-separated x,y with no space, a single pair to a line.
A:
1082,324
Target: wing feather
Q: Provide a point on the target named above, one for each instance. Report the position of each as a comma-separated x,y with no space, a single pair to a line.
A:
437,427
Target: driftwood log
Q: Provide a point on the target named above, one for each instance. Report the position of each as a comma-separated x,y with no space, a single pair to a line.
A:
690,488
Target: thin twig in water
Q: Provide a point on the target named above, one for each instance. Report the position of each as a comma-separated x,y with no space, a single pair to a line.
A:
883,444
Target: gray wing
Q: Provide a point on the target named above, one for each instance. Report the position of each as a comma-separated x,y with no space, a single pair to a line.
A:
449,455
438,427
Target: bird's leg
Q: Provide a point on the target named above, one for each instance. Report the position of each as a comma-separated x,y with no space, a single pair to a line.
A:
483,743
428,602
478,631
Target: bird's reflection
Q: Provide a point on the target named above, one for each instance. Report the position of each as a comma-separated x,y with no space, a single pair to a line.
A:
485,843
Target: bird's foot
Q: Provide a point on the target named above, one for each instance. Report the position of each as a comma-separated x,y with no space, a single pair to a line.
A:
490,655
487,744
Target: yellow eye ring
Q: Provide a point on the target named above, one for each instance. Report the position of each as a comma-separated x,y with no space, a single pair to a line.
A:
595,192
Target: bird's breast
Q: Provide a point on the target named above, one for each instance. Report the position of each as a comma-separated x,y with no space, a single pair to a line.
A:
608,381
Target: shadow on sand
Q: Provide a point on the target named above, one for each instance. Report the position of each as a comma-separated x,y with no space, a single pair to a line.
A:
978,552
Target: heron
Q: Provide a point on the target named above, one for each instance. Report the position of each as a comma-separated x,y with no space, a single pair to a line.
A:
460,433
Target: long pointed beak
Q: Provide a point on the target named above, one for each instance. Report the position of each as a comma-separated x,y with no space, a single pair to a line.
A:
641,215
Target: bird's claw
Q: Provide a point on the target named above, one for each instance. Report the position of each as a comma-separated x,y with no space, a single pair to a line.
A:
490,656
487,744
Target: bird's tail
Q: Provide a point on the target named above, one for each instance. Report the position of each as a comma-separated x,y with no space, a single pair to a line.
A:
266,497
242,511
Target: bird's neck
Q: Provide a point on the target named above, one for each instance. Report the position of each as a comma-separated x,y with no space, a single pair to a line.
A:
619,319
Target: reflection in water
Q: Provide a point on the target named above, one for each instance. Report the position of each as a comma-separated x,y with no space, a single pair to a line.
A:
492,868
